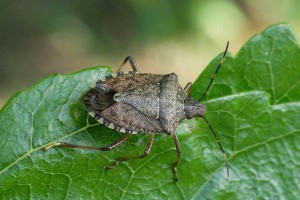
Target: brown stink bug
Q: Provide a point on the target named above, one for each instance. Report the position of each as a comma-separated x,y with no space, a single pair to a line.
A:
136,103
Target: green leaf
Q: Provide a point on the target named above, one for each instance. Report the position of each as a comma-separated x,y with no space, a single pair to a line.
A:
253,105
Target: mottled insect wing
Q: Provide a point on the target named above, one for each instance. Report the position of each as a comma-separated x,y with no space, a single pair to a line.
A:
127,117
144,98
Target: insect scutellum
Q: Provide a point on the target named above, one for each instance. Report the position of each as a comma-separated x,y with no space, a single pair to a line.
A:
136,103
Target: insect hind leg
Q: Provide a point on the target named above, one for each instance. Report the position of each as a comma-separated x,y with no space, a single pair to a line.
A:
108,148
146,153
132,63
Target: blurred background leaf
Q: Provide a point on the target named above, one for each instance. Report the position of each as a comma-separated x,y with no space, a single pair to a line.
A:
38,38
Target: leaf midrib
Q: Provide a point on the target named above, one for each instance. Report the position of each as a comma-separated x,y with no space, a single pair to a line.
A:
39,148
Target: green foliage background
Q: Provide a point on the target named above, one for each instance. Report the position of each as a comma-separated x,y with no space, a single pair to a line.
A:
253,106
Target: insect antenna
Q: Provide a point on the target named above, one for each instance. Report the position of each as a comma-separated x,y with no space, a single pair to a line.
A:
212,79
216,137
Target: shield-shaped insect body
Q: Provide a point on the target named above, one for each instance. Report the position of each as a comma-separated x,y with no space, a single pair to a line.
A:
141,103
136,103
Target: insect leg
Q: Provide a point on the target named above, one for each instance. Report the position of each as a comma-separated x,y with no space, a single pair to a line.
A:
146,153
178,156
108,148
187,89
132,63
